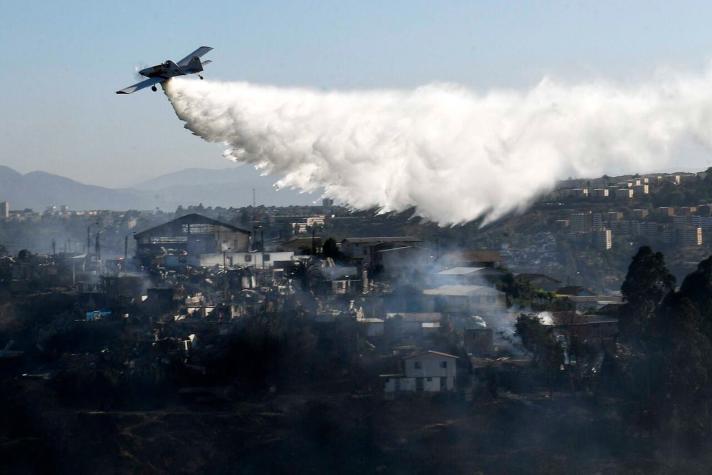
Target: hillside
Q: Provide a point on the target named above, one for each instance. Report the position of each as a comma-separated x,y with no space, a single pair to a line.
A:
37,190
226,187
223,187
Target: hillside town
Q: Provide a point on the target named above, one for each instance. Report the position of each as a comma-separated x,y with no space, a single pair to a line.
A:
309,315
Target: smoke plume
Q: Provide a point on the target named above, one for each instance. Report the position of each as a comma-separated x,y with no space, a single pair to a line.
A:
452,154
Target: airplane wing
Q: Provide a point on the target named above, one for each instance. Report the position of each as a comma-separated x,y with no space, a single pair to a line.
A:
140,85
197,53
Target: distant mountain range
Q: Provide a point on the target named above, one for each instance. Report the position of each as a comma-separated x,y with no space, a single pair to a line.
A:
225,187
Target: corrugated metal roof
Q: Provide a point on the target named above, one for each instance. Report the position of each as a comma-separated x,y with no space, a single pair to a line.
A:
430,353
460,271
377,240
193,218
462,290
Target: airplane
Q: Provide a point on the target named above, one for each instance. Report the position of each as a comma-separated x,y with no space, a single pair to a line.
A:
159,73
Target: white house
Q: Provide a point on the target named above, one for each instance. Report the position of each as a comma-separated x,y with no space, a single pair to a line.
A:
259,260
426,372
471,299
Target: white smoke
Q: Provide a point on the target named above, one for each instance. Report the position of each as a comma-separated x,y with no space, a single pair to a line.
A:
452,154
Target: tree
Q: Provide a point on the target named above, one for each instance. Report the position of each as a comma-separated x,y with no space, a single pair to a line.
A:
697,287
541,342
680,356
330,249
244,217
537,338
647,282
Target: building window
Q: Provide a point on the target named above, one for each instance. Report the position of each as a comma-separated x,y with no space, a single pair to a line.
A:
430,380
443,364
265,257
168,239
198,228
417,365
248,258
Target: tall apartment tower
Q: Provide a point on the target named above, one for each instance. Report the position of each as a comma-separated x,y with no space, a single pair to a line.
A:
603,239
4,209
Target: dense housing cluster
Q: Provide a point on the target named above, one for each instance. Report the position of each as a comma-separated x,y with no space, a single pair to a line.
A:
299,328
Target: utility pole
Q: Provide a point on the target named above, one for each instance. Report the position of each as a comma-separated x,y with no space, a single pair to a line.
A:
313,241
88,240
254,206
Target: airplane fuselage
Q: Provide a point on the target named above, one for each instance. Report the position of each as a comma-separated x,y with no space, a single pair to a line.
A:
165,70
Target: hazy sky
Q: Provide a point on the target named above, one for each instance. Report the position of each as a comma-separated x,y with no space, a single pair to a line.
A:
62,62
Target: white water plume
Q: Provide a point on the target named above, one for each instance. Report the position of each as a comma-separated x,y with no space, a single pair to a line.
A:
452,154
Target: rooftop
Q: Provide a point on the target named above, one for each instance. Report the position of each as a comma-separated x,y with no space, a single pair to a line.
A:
462,290
429,353
478,255
377,240
193,218
417,316
461,271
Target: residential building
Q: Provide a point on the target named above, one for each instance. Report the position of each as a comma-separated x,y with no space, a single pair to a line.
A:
472,258
599,193
465,275
690,236
580,222
579,193
666,211
411,325
603,239
624,193
343,280
614,216
478,341
641,189
426,372
465,299
640,213
190,236
4,209
365,249
597,221
258,260
311,222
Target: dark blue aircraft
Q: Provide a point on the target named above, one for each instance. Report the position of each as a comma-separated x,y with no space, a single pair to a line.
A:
191,64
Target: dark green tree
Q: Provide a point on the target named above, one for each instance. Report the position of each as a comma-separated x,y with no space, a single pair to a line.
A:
680,358
537,338
648,281
330,249
697,287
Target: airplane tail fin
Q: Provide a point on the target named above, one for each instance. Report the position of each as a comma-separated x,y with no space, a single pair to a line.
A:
194,65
